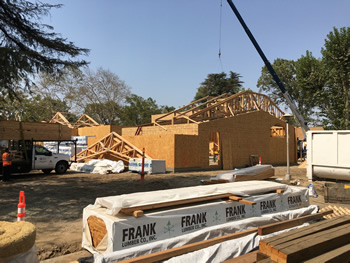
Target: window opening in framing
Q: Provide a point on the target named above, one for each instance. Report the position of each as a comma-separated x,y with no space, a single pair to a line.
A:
214,148
278,131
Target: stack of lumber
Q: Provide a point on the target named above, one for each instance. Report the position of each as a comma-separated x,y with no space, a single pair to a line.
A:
325,241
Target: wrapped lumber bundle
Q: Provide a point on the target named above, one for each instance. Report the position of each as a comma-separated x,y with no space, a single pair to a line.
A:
122,222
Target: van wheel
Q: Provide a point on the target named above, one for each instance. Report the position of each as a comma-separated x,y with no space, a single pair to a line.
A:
47,171
61,167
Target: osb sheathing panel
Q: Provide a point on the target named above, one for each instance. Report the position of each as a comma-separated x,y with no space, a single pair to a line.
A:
245,135
11,130
189,129
158,146
96,133
189,152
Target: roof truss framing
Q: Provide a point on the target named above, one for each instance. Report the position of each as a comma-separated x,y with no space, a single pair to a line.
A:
114,145
221,107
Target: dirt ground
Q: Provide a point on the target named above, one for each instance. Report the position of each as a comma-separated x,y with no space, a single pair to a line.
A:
54,203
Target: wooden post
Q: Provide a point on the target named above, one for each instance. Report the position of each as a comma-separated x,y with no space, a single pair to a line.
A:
143,167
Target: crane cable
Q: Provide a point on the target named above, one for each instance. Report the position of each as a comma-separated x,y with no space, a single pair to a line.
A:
220,36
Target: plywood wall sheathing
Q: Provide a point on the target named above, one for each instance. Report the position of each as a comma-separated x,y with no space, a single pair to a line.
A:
159,146
188,129
85,121
11,130
59,118
221,107
113,147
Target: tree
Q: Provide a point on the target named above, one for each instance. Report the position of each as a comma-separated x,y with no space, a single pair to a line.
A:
28,47
138,110
302,79
100,93
336,58
104,113
25,107
217,84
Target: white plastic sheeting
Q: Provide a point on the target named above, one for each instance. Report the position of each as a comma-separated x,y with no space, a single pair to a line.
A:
27,257
124,232
151,166
216,253
247,188
249,171
99,166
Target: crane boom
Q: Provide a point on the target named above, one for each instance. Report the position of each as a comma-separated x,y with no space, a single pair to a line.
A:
268,65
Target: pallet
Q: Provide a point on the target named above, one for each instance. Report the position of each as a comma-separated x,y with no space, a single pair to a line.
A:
337,211
309,242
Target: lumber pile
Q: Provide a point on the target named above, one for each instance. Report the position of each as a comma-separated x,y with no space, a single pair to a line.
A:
337,211
250,257
325,241
16,130
113,147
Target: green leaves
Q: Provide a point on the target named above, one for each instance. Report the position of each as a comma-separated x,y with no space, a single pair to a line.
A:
217,84
320,87
28,47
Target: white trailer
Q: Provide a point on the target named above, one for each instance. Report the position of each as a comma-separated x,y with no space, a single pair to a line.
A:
328,154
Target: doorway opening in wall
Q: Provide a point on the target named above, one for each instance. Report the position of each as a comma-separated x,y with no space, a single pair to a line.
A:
214,148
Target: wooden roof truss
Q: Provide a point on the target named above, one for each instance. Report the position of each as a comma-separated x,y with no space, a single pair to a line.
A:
221,107
85,121
112,145
59,118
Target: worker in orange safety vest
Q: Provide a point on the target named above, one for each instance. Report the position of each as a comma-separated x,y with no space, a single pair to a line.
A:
6,165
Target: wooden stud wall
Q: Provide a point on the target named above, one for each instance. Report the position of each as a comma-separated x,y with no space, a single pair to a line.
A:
10,130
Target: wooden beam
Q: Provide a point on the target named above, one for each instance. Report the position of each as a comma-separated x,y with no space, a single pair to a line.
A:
247,258
130,210
268,229
267,244
340,254
312,245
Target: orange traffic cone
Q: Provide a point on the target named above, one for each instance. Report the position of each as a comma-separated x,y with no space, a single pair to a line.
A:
21,212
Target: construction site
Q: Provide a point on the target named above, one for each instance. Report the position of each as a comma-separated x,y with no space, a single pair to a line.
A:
217,166
229,178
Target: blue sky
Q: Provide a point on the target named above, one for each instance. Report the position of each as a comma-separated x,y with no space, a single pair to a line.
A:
164,49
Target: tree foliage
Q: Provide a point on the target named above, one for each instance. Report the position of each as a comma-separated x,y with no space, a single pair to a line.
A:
217,84
100,93
138,110
25,107
320,87
302,79
27,46
336,58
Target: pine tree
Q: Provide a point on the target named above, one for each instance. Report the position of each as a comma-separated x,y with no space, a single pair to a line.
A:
28,47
